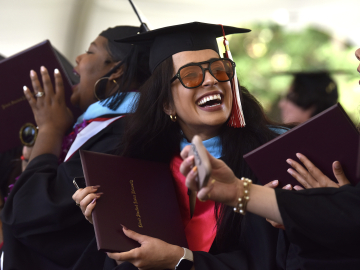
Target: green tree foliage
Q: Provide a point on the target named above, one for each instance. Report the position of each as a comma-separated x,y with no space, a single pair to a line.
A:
269,50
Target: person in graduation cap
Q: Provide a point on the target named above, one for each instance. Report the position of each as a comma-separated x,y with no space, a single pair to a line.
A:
322,221
190,92
310,93
43,227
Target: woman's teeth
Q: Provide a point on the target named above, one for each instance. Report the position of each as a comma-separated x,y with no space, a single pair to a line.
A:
206,99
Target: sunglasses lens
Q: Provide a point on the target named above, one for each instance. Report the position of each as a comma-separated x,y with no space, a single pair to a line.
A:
28,135
222,70
191,76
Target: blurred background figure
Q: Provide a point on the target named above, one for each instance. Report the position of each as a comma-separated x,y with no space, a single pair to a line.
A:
309,94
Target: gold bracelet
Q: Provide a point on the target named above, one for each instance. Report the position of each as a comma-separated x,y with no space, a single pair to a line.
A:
242,201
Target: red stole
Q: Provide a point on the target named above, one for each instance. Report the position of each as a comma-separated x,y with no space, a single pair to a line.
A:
200,230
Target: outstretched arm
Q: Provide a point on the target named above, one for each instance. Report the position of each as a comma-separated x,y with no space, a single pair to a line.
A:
227,188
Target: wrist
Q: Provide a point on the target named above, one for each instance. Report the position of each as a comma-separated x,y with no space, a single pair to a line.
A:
186,262
244,199
175,255
238,192
50,130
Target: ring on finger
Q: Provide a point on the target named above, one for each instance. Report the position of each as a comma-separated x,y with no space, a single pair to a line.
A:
208,198
77,204
39,94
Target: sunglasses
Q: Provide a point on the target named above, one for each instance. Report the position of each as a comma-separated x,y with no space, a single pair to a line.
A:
28,134
193,75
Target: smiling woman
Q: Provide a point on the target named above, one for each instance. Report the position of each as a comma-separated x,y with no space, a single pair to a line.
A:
41,222
197,110
169,113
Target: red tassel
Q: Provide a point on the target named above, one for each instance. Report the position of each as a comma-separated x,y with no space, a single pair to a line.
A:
237,118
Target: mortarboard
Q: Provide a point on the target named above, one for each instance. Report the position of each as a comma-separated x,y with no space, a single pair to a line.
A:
117,32
167,41
317,81
170,40
309,87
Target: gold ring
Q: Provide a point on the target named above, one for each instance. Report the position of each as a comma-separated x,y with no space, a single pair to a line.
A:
39,94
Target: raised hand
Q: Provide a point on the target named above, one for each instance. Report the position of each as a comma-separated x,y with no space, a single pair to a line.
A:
51,114
312,177
49,106
223,186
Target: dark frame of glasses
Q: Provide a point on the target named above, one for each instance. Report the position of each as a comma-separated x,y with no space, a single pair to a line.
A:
177,75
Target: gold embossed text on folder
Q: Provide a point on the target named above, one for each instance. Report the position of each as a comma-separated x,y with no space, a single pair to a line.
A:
136,204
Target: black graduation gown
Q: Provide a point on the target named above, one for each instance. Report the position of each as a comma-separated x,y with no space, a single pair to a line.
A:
43,228
324,226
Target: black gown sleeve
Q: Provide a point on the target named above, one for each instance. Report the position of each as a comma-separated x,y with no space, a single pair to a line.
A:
41,222
259,249
324,225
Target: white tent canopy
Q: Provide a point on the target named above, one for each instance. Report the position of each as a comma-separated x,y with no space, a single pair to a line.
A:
72,24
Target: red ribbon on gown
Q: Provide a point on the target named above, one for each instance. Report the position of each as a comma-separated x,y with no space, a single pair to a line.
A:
200,230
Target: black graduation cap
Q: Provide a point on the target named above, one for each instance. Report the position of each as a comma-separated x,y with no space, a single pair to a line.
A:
311,87
117,32
170,40
319,81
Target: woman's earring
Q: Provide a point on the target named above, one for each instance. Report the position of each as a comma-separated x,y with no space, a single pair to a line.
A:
95,86
173,117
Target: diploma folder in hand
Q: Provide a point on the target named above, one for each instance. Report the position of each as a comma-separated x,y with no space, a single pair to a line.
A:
138,194
15,110
327,137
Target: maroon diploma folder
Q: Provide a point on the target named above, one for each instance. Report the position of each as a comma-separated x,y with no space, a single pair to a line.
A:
325,138
138,194
14,74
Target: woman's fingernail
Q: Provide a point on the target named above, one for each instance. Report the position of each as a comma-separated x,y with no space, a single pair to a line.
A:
337,165
288,186
274,182
298,155
93,201
96,187
24,88
297,188
124,227
32,73
56,71
42,68
288,161
194,170
99,193
290,171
